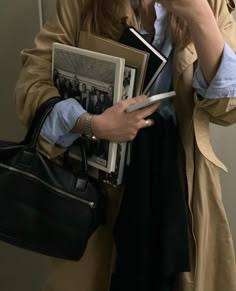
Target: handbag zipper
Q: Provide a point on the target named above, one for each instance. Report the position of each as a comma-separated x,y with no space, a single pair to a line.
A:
89,203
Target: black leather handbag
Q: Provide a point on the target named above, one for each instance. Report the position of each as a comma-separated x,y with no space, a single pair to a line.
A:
45,207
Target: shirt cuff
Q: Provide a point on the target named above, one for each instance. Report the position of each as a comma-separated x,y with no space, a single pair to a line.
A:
58,125
224,82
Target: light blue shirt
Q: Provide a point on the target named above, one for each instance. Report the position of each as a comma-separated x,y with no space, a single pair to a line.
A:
57,127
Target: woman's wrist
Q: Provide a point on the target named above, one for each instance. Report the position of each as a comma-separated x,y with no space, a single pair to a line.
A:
78,128
87,128
97,126
89,124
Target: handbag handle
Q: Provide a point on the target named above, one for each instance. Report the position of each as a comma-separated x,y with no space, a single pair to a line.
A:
32,135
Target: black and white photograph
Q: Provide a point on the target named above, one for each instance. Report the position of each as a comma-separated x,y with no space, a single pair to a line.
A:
128,82
96,81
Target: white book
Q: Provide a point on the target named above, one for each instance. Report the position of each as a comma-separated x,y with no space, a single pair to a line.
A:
115,178
96,81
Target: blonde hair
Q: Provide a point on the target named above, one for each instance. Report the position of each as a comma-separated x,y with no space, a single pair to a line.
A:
98,12
179,32
105,17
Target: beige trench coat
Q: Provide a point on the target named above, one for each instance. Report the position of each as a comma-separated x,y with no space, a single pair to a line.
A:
212,255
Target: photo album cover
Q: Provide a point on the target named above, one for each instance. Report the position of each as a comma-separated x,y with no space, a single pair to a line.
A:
133,57
96,81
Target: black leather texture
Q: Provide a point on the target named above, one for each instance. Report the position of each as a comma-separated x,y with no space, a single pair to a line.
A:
45,207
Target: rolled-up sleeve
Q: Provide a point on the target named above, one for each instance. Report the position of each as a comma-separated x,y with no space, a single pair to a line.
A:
58,125
223,84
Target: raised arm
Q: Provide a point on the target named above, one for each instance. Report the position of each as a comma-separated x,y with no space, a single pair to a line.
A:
204,31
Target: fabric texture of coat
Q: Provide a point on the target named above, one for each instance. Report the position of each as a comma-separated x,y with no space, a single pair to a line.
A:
213,265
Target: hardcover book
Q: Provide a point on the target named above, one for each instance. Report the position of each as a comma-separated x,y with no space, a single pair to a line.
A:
133,57
156,61
116,178
96,81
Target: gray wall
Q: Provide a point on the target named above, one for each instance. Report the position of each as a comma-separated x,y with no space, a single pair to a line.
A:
19,23
48,8
21,270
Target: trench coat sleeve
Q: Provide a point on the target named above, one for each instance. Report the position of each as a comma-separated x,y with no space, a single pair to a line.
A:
35,83
222,111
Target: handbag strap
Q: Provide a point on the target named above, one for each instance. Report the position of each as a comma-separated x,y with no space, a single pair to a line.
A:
84,164
32,135
31,138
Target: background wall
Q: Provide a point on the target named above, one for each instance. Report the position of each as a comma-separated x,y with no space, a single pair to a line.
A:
48,8
21,270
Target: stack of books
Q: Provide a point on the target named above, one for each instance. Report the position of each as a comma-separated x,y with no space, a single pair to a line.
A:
99,73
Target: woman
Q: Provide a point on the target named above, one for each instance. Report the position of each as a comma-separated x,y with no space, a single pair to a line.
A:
201,47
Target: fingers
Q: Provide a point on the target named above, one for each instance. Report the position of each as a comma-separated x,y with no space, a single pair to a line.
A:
144,123
130,101
148,122
147,111
141,112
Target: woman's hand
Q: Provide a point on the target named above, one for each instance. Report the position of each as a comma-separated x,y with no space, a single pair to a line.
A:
186,9
115,124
